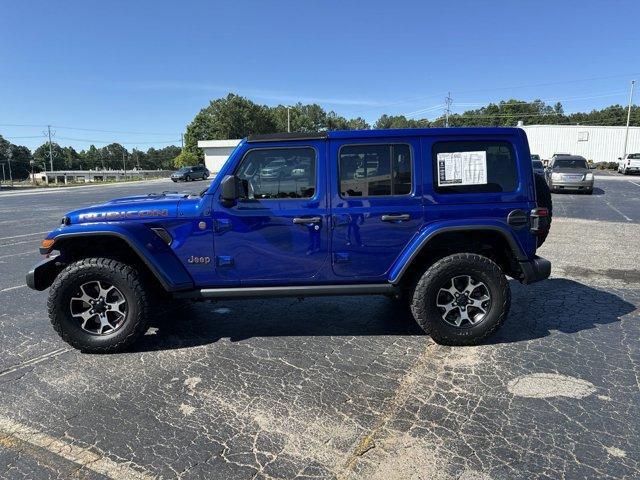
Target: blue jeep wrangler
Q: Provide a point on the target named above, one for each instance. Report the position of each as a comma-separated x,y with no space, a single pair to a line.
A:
435,218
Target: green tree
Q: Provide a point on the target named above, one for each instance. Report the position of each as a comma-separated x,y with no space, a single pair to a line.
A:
41,156
230,117
21,162
400,121
161,158
115,156
91,158
72,159
185,159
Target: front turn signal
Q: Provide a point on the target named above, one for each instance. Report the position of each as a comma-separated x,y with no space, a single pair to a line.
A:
47,243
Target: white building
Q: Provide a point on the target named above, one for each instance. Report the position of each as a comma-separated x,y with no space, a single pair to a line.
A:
600,144
597,143
216,153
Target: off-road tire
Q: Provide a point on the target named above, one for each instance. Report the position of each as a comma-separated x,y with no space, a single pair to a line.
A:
126,278
543,197
428,315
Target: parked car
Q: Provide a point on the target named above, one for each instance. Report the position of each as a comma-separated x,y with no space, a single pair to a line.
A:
569,173
538,167
630,164
273,169
459,211
187,174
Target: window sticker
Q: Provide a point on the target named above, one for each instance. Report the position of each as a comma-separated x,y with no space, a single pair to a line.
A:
462,168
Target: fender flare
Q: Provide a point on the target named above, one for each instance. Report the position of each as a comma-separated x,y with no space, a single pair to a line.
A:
156,256
407,257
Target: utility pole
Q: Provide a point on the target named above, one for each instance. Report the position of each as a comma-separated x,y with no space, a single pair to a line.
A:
50,151
9,154
447,111
182,141
289,119
4,178
124,163
626,133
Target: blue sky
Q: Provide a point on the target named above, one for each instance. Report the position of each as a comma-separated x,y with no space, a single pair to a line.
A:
147,67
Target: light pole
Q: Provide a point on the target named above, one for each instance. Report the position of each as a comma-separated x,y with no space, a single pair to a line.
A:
626,133
288,119
32,163
4,178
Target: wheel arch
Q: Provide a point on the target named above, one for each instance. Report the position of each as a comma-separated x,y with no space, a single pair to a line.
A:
149,253
437,242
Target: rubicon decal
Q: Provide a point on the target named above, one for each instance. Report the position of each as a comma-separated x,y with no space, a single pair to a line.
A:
98,216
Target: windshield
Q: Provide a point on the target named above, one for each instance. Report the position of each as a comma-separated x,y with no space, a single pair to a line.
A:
537,164
183,170
634,156
535,157
570,163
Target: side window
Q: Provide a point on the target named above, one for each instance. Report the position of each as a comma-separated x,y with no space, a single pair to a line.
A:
279,172
474,167
374,170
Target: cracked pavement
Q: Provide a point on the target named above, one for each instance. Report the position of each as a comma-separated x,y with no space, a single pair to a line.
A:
343,387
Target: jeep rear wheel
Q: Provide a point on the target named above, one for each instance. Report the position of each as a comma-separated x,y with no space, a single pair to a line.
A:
461,299
98,305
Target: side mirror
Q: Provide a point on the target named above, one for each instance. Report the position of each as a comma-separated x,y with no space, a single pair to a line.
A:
232,189
619,158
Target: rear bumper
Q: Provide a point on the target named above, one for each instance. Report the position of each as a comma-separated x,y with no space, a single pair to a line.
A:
535,270
41,276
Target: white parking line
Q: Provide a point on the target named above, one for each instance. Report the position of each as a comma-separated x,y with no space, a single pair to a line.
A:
24,235
64,190
12,288
18,254
83,457
34,361
638,184
16,243
618,211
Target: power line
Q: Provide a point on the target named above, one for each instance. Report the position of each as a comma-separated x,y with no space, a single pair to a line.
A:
121,143
126,132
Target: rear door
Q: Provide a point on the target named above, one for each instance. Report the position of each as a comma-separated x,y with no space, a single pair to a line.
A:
376,203
479,177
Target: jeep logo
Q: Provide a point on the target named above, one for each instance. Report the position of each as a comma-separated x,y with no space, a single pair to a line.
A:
98,216
199,260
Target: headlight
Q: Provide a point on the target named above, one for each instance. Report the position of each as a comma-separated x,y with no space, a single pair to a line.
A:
556,176
588,177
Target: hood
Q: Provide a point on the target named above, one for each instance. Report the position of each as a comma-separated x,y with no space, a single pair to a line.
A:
129,208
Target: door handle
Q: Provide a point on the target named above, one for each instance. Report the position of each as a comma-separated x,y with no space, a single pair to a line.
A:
306,220
403,217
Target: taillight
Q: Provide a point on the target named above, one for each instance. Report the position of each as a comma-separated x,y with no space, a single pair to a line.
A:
629,162
539,220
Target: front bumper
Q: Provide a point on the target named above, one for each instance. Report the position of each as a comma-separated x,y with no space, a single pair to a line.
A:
41,276
584,185
535,270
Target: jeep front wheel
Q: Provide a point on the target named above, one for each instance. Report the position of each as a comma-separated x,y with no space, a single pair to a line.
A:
98,305
461,299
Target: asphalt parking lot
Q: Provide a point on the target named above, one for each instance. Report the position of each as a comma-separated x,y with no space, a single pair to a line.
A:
334,387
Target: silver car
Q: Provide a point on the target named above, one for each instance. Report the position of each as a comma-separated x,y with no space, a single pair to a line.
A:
569,173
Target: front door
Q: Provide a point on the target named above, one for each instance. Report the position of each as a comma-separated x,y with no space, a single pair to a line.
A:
280,231
376,203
